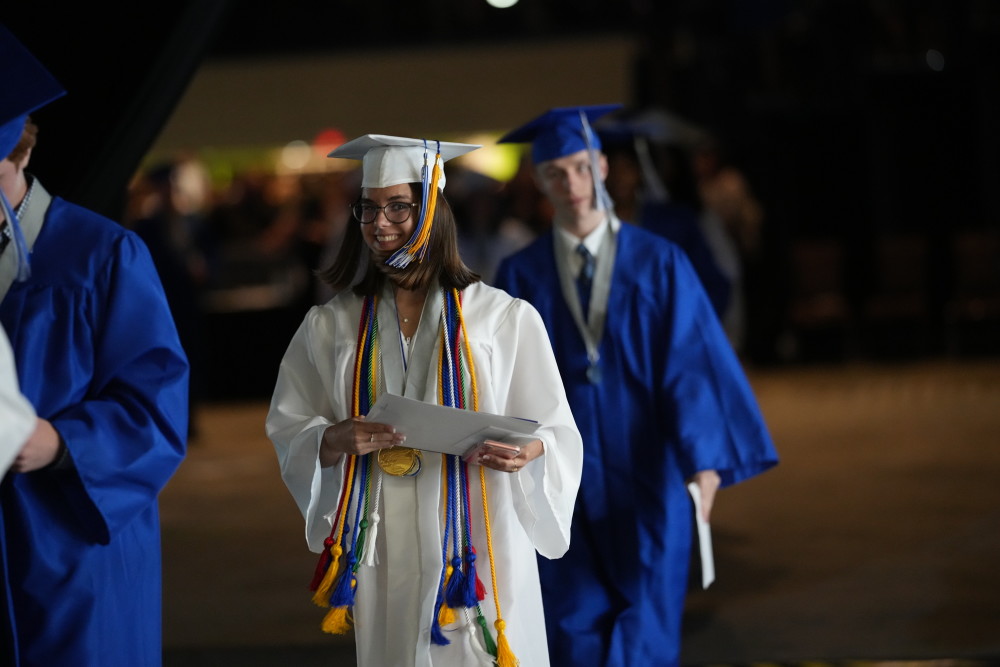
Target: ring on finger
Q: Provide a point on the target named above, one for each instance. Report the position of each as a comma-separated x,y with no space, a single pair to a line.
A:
372,439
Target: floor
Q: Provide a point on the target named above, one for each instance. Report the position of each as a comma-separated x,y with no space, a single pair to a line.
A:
876,541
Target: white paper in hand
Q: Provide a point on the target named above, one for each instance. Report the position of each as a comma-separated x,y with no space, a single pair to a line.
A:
436,428
704,538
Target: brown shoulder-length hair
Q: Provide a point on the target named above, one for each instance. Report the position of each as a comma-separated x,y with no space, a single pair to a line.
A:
442,260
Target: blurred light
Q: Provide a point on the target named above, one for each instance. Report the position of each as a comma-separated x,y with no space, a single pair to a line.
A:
501,4
935,60
193,186
498,161
327,140
295,155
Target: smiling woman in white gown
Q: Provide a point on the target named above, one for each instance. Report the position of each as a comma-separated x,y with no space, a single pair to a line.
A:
432,559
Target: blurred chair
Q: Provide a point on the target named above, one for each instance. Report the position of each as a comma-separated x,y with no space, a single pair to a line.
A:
972,312
896,310
818,319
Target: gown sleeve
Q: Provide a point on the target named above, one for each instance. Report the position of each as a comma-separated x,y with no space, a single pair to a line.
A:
300,412
127,436
719,423
545,490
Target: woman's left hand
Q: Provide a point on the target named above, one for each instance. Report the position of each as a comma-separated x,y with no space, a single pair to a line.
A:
498,461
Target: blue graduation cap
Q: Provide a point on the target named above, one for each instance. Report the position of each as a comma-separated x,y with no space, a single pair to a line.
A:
27,86
563,131
560,131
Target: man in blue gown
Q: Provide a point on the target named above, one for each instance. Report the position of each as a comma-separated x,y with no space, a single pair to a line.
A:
98,357
657,392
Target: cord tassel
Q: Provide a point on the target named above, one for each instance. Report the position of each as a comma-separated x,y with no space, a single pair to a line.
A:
322,595
475,590
491,646
338,621
370,557
329,562
455,587
469,635
343,592
505,656
437,635
416,246
323,565
446,615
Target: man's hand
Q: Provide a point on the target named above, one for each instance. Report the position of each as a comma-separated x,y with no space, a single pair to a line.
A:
708,482
40,450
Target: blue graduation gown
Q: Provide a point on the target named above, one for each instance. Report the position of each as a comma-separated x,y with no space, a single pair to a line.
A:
673,400
98,355
679,223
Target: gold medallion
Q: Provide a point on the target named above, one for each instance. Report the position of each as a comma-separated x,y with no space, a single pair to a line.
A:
399,461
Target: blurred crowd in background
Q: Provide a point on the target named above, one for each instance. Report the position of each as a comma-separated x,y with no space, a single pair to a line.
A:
239,259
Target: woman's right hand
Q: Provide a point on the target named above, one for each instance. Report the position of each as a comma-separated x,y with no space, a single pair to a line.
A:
356,436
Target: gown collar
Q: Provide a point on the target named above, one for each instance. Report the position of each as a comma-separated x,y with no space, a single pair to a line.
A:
411,382
31,217
592,331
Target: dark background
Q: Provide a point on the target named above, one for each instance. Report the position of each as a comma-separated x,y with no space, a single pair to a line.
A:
829,106
852,120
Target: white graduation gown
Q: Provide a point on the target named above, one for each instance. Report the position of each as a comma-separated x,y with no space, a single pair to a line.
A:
530,510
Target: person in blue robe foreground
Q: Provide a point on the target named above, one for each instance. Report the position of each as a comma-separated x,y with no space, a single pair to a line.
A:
657,393
98,357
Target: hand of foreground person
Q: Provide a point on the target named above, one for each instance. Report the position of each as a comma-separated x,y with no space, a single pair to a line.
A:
497,460
356,436
41,449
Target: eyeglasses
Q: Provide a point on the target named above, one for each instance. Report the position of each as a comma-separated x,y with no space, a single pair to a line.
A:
396,212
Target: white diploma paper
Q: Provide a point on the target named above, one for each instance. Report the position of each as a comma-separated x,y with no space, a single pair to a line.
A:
704,538
438,428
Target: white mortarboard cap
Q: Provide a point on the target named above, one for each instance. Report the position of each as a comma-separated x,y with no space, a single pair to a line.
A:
388,160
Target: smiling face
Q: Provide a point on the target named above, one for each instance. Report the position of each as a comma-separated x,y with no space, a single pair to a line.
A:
382,236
